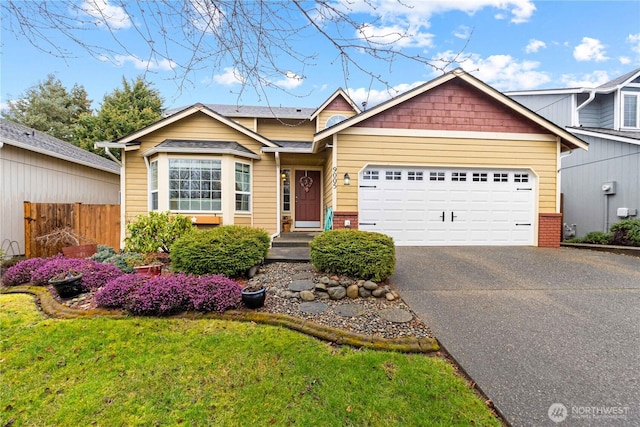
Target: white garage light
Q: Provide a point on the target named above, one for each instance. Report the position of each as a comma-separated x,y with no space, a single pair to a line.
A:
347,180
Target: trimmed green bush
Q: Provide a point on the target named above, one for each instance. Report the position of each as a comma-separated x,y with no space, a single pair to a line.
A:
229,249
156,232
361,254
626,232
594,238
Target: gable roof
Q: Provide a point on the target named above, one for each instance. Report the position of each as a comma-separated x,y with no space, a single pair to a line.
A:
198,146
196,108
335,94
619,81
24,137
630,137
567,138
607,87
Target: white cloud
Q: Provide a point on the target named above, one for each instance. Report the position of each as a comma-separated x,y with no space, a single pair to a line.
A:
590,50
593,79
503,72
634,41
534,46
106,15
624,60
291,81
374,97
152,64
463,32
229,77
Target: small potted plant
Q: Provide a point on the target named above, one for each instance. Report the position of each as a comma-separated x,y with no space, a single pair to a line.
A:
149,265
67,284
253,296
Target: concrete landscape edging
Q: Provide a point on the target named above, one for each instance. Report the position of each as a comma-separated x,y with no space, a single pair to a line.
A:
53,308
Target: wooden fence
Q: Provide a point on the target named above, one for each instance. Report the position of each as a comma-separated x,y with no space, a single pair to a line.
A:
98,224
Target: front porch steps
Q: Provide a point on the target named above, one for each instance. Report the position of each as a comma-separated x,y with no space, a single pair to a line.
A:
290,247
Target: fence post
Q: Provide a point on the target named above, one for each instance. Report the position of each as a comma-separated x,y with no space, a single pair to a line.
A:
27,229
76,221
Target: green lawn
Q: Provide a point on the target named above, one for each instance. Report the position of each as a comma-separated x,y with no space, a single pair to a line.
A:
148,371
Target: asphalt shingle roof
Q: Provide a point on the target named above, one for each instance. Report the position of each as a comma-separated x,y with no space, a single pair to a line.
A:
216,145
612,84
12,133
611,132
255,111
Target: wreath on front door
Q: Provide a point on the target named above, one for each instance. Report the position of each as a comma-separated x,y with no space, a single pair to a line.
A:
306,182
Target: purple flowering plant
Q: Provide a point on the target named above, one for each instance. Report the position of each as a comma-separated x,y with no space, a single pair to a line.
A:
117,292
94,274
21,272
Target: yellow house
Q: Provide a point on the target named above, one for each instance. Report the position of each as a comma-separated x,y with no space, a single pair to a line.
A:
451,162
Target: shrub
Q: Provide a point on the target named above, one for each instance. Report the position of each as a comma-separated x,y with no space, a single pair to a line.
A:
156,231
94,274
104,253
361,254
118,292
596,238
230,250
626,232
213,293
21,272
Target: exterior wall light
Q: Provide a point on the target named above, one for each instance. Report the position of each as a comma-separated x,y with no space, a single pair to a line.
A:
347,180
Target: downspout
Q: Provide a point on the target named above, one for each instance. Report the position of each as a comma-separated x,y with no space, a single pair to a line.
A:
278,196
592,96
110,154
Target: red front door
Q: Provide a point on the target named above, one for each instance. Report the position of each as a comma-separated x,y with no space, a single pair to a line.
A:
307,193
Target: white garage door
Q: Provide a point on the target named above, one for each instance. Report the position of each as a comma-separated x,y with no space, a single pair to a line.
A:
448,207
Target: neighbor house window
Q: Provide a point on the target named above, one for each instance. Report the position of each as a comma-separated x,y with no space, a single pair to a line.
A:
195,185
153,185
286,190
243,187
630,111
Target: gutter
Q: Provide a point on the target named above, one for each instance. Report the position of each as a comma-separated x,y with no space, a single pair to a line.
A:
106,145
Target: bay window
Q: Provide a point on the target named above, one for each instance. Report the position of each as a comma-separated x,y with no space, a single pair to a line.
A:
243,187
153,185
195,185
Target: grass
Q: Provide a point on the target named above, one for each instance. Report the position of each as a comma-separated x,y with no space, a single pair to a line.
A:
150,371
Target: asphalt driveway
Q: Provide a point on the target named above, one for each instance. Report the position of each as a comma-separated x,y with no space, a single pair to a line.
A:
535,327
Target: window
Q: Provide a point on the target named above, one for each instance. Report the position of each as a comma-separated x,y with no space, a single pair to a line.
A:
243,187
334,120
415,176
286,190
521,177
371,175
458,176
153,185
630,111
500,177
479,177
195,185
393,175
436,176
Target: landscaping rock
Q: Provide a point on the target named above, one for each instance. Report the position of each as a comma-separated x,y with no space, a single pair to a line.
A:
321,287
307,296
322,295
360,283
324,280
345,282
369,285
364,293
352,291
332,283
307,275
337,292
301,285
380,292
349,310
390,296
396,315
313,307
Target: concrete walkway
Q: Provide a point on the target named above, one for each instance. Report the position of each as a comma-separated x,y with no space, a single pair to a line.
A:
535,327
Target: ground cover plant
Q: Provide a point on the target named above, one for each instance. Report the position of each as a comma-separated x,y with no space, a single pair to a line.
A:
361,254
229,249
159,371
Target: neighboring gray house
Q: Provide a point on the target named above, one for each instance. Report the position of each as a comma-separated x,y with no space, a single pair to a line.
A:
39,168
600,186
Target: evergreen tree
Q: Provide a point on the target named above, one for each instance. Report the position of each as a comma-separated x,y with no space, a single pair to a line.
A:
49,107
123,111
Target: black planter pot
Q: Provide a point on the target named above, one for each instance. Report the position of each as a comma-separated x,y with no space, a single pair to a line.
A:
254,299
68,287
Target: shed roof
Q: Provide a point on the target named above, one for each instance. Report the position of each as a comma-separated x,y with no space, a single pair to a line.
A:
24,137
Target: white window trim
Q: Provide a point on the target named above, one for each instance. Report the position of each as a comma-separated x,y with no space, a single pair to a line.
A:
288,211
151,189
637,96
236,192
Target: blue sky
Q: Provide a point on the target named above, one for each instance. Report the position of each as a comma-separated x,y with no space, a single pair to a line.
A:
513,45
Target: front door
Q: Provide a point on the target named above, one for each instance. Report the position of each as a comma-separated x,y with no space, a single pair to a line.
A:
307,192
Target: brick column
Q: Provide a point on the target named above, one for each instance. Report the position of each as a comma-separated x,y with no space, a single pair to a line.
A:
549,230
340,217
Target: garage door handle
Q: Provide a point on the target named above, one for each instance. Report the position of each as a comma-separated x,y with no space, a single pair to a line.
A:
366,223
523,224
524,189
368,186
453,216
442,216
